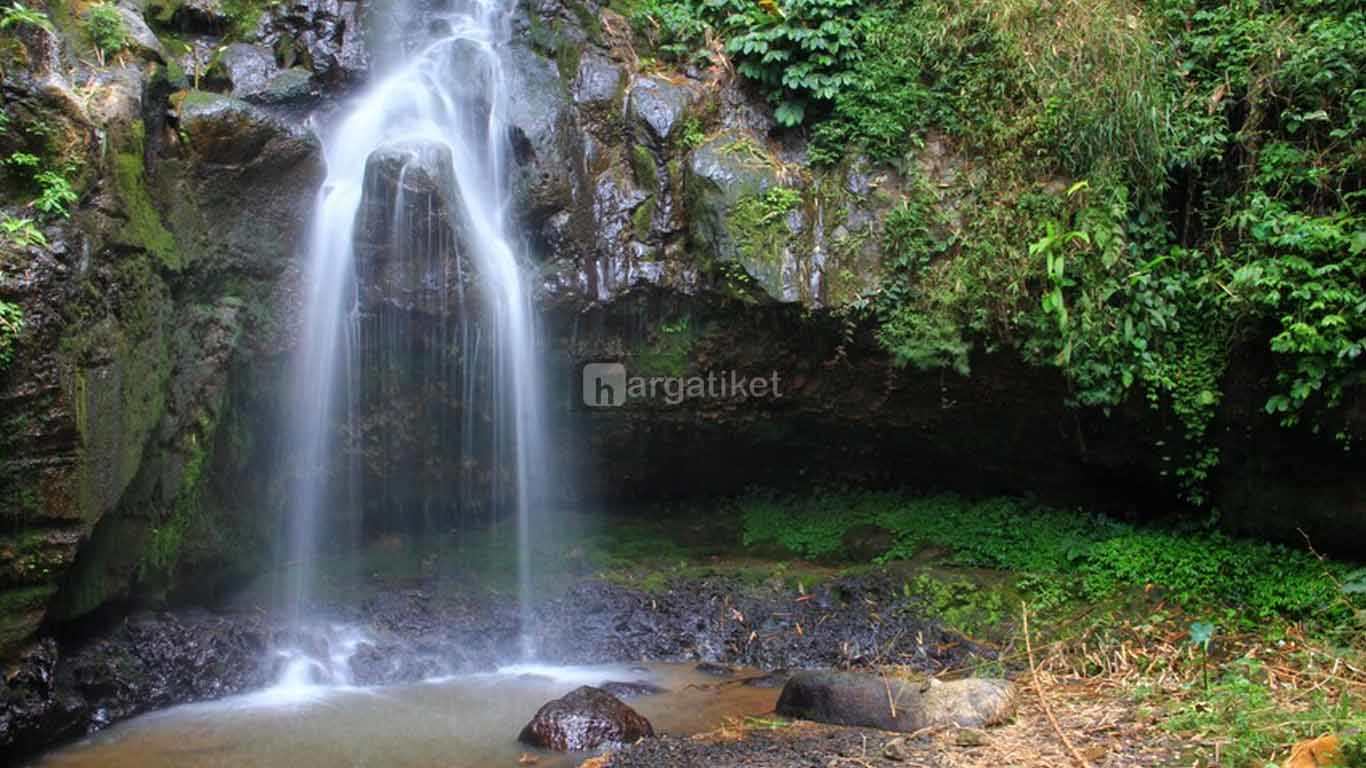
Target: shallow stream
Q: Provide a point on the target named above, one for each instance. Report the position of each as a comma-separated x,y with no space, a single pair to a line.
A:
463,721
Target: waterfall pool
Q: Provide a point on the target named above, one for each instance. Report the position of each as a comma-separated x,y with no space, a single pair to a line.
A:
461,721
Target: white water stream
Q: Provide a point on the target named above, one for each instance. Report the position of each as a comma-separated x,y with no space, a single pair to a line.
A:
440,113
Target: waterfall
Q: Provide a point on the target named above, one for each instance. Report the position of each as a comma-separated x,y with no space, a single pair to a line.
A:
417,170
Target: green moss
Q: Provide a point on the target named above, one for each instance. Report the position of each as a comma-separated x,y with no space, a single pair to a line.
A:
21,611
669,350
143,227
166,540
34,556
642,218
643,167
120,396
759,225
245,16
550,40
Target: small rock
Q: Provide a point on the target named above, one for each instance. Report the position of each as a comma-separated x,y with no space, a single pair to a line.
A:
138,37
971,737
896,749
630,690
714,669
286,87
598,81
585,718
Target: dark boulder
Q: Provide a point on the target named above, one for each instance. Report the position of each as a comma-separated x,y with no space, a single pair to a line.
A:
410,231
585,718
894,704
544,136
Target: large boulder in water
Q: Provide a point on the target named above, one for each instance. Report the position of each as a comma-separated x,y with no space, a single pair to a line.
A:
409,231
847,698
585,718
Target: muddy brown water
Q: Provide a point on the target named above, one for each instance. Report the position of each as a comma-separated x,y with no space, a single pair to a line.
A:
467,721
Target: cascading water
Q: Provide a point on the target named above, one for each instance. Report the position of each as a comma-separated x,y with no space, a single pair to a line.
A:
416,181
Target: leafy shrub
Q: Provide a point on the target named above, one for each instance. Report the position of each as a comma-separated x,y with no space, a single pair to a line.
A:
676,29
22,232
108,35
799,52
925,65
20,15
55,195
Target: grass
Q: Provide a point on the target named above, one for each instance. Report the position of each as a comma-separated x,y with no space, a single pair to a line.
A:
1058,556
1251,722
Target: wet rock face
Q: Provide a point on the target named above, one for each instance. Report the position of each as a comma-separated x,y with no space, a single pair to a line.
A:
544,135
721,173
245,69
656,106
223,130
150,661
408,233
142,41
585,718
598,83
205,17
893,704
324,36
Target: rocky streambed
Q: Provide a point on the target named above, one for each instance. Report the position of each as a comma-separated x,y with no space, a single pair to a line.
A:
65,688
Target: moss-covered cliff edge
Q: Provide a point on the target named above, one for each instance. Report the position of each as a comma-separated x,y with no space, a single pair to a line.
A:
149,252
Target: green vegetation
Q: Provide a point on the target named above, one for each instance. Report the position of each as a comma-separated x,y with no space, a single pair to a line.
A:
1138,188
1242,711
22,232
19,15
799,52
668,351
760,225
1060,556
11,325
144,227
104,26
53,185
643,167
1354,751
